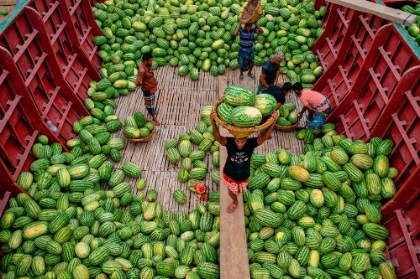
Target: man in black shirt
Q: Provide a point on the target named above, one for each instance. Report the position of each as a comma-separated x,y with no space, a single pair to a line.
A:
279,93
236,171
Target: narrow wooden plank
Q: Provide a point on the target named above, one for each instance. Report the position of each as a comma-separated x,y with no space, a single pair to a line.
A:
379,10
180,100
148,155
169,184
233,245
158,185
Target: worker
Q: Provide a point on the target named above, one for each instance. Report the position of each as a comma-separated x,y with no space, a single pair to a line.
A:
279,93
236,171
148,84
270,72
246,47
317,105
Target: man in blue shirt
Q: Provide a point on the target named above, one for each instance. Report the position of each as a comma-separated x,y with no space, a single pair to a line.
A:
270,72
246,47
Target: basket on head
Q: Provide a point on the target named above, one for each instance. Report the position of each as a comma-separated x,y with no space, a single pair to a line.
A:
286,128
145,139
251,11
238,132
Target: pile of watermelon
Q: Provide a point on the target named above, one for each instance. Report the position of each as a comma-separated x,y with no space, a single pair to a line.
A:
327,129
314,214
137,126
242,108
199,37
287,115
94,137
73,228
190,149
414,29
317,214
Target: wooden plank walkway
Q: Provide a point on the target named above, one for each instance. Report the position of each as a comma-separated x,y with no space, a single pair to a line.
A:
179,101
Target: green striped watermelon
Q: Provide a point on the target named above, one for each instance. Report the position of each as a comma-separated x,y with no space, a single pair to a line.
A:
246,116
265,103
238,96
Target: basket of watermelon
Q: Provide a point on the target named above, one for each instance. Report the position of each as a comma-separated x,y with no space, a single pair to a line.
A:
242,113
251,11
137,128
288,118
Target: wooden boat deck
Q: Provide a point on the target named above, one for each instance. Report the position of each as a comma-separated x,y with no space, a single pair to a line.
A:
179,101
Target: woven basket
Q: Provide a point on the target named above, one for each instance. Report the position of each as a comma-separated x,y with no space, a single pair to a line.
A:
240,132
145,139
286,128
252,11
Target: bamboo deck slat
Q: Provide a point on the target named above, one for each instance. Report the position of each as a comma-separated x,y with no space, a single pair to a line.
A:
7,2
179,101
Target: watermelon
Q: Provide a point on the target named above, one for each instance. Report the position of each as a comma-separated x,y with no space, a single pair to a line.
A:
224,111
246,116
265,103
238,96
180,196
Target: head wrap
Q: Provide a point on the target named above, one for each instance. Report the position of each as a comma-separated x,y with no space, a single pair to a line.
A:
279,56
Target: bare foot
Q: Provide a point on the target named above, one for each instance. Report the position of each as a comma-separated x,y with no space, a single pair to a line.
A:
231,207
156,122
155,113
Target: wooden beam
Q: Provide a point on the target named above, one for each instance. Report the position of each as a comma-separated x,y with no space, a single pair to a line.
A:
233,246
222,84
382,11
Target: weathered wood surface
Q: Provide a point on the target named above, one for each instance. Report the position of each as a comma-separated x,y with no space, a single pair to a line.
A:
7,2
379,10
179,101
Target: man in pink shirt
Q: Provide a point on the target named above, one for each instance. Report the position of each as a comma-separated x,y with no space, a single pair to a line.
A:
316,104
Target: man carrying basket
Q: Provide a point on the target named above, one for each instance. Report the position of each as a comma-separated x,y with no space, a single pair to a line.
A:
246,47
236,171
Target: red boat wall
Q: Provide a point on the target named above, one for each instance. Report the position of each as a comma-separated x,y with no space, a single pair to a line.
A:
372,79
